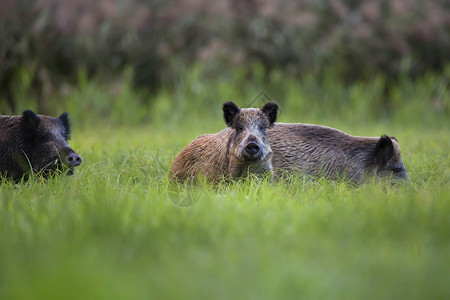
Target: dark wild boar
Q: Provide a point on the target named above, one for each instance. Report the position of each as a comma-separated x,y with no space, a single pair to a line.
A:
321,151
36,143
240,149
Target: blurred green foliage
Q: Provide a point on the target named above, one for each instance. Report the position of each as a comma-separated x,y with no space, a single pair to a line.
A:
45,45
197,98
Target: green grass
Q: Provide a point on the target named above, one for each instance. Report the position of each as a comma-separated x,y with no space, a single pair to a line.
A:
118,229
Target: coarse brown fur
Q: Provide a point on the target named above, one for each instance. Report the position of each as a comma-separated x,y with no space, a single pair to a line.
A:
321,151
234,152
36,143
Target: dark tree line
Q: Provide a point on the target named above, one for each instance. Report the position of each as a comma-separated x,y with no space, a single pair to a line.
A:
53,39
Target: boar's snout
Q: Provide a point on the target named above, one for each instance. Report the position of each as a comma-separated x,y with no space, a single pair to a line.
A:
73,159
252,148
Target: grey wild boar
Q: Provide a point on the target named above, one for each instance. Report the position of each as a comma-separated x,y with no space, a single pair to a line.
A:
321,151
240,149
35,143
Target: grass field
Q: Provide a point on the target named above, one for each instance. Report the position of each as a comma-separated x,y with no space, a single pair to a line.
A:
118,229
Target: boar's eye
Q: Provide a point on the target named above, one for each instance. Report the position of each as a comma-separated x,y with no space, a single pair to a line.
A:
397,170
239,129
44,138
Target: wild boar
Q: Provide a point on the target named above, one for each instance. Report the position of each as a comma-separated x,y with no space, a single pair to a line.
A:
240,149
35,143
321,151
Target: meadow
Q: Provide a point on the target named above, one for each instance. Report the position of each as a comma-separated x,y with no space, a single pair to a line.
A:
118,229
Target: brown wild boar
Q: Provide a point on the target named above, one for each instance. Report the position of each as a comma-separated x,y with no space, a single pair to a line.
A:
240,149
321,151
36,143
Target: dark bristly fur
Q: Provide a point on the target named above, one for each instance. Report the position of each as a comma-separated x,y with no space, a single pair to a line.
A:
321,151
37,143
225,154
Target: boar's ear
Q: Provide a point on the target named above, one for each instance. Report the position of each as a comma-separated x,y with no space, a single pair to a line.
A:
230,110
270,109
394,138
64,118
384,150
30,120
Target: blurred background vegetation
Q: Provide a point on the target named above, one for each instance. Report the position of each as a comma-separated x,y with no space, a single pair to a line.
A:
137,61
